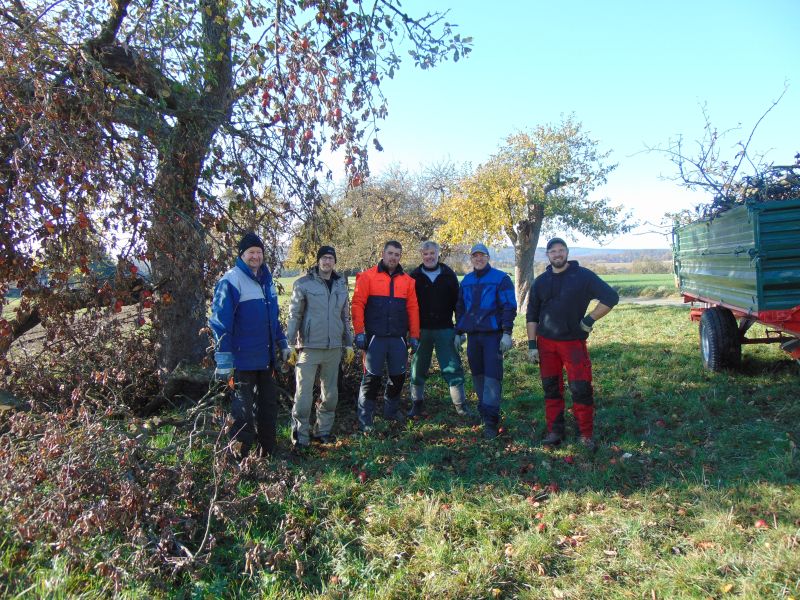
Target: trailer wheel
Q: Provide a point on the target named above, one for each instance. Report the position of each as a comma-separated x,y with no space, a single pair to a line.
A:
720,343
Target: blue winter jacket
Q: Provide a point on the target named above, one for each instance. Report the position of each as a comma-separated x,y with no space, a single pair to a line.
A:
486,302
244,318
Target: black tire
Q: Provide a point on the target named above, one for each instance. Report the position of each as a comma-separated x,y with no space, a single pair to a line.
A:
720,343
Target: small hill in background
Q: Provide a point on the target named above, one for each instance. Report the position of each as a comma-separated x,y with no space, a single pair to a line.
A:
600,260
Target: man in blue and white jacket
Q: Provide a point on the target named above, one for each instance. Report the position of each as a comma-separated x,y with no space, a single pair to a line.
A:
249,340
485,312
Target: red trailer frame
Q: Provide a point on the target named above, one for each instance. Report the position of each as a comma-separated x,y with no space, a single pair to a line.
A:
783,325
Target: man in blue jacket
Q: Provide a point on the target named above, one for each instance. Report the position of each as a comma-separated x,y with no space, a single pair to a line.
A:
485,311
249,341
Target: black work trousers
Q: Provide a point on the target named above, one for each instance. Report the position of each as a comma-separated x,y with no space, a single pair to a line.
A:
255,410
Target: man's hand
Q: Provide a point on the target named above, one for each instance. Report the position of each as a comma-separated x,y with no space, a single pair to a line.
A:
586,324
292,360
413,343
533,352
224,368
349,355
286,355
223,373
506,343
361,341
458,341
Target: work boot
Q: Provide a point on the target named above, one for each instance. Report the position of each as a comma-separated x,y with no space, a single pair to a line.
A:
589,444
325,439
463,409
491,426
489,431
417,400
552,439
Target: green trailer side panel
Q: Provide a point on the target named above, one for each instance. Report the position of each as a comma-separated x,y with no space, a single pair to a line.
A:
779,254
747,257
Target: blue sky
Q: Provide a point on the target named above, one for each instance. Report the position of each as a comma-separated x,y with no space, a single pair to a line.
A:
636,73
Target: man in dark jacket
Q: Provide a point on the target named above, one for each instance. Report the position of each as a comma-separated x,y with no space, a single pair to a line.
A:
485,311
437,294
249,341
385,310
558,327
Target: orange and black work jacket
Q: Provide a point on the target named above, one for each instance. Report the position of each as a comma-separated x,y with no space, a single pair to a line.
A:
385,305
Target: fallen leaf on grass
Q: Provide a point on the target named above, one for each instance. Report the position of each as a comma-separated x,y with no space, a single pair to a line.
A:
704,545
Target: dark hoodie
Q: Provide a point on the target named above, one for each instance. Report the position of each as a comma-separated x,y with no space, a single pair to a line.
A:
558,301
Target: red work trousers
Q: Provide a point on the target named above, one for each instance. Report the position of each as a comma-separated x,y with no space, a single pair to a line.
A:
572,355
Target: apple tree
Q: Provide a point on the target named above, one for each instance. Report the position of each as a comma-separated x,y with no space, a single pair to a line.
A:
122,120
538,181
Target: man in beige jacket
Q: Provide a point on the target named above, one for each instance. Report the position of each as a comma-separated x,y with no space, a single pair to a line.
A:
319,331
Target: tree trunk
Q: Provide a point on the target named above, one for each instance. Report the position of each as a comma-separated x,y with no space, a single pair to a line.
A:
178,249
524,252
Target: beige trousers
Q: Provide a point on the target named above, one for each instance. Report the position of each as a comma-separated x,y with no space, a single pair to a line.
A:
309,362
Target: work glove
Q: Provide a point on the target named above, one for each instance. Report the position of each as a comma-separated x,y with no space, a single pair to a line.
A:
458,341
586,324
361,341
533,352
224,368
414,345
349,355
221,374
286,355
292,360
506,343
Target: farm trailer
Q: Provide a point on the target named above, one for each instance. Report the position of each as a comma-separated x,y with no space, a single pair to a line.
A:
738,268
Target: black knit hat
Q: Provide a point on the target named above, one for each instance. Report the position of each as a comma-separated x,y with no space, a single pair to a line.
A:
554,241
248,241
323,250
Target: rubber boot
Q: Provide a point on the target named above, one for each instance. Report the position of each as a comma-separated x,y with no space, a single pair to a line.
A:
417,400
459,398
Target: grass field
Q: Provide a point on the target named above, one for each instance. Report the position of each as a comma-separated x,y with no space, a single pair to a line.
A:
693,494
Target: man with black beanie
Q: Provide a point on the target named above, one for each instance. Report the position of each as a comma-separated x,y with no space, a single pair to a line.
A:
558,327
249,341
319,330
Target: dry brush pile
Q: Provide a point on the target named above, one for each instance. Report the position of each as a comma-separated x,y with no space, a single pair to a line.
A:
115,499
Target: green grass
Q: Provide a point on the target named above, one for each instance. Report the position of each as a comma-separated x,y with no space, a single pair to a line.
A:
642,285
10,307
689,461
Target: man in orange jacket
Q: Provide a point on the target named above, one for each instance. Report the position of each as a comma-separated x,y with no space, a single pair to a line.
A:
385,310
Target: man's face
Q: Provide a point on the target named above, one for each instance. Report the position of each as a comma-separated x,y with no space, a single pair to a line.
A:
430,257
253,257
391,257
558,255
326,264
479,260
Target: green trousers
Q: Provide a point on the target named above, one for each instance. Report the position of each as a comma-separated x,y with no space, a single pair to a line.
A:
440,340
